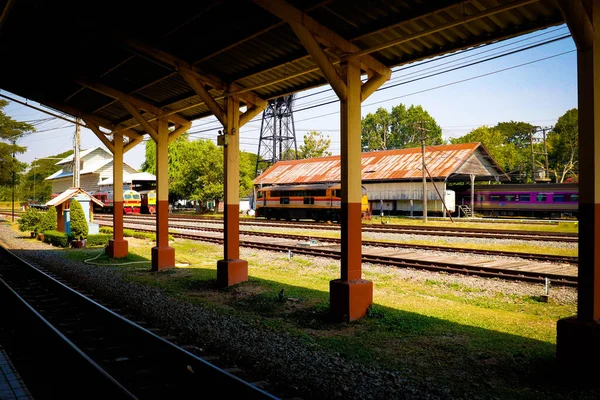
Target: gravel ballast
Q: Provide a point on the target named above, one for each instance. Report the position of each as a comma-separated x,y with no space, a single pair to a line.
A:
293,367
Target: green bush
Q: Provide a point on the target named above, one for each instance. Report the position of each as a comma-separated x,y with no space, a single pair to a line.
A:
55,238
132,233
31,221
100,239
79,226
48,220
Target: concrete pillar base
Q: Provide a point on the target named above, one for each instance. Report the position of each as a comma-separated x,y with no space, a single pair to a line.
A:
578,346
163,258
349,300
117,248
230,272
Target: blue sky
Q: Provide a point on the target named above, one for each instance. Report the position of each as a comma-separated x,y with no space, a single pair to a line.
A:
538,93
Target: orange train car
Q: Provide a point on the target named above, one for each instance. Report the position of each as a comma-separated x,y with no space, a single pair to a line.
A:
320,202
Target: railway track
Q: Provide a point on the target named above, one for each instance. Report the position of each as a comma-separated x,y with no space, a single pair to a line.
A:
533,276
397,229
372,243
67,346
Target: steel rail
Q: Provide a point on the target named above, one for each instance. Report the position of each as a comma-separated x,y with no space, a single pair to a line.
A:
373,243
526,276
144,363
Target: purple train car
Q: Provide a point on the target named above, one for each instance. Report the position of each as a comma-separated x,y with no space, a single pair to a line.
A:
542,200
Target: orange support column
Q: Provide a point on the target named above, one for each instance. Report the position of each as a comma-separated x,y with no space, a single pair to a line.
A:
231,269
351,296
578,338
163,256
117,246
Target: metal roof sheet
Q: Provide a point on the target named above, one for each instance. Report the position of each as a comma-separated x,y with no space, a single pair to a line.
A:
388,165
237,41
70,193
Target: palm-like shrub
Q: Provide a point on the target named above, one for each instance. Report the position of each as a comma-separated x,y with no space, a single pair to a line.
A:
79,226
31,221
49,220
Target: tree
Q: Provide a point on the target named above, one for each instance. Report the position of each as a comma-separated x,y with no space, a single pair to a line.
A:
10,132
177,159
48,222
494,141
399,128
518,134
563,147
79,226
33,184
315,145
30,221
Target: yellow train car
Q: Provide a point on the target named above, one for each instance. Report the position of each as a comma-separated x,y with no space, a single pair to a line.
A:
320,202
148,203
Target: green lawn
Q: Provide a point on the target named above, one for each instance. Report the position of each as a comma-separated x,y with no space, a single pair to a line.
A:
465,336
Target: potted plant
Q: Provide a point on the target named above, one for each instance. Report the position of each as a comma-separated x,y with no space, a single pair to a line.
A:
79,226
30,221
48,222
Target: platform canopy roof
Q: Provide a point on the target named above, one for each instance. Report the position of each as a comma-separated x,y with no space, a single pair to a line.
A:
444,162
82,57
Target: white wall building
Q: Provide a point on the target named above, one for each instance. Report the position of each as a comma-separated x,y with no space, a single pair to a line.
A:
96,167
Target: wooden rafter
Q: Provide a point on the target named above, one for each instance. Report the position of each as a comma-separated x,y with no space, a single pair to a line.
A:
179,131
321,59
149,127
292,15
201,91
99,134
579,22
181,65
124,97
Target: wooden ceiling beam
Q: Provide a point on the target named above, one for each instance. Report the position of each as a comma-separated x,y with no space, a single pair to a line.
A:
292,15
91,125
150,128
579,22
314,49
201,91
124,97
207,78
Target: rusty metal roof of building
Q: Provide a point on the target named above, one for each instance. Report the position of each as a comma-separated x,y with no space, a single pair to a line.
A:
389,165
88,58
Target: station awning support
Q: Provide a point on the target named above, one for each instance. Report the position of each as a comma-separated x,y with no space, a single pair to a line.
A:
350,296
578,338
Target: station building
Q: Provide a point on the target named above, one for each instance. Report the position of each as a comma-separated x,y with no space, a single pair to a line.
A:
96,173
394,178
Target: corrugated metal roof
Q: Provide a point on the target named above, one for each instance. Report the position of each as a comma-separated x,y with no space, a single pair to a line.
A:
388,165
70,193
236,41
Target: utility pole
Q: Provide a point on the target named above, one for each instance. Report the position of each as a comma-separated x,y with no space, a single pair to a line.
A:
76,163
532,156
546,154
423,168
532,138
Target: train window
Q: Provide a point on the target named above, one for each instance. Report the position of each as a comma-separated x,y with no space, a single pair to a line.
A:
284,200
260,195
525,197
540,197
337,193
480,197
509,197
574,197
309,200
127,197
495,197
558,198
